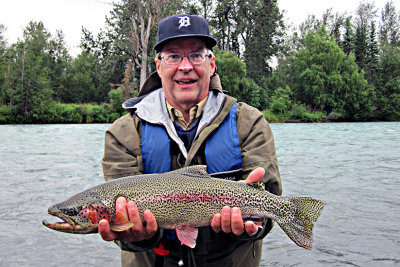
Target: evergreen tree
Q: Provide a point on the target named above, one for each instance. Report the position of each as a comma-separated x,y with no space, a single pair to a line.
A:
262,30
390,26
356,95
347,44
372,57
360,46
3,65
388,96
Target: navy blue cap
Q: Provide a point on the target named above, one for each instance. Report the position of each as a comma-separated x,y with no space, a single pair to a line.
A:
183,26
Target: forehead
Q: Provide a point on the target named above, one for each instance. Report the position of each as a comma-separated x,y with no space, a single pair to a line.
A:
194,44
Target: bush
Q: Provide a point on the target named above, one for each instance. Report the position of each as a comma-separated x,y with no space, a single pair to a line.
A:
271,117
7,114
96,113
116,99
334,116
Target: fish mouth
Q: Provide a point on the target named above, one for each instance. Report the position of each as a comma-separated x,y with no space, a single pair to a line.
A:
67,225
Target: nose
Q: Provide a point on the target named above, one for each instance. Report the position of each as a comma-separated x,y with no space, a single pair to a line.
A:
185,65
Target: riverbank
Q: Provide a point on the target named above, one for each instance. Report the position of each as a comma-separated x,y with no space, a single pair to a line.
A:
60,113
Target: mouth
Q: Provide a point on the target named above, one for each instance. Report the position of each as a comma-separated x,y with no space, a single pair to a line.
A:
67,225
185,81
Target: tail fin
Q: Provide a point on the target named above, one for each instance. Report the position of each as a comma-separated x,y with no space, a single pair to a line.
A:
299,229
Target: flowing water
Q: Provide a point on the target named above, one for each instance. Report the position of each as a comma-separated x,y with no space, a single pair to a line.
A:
353,167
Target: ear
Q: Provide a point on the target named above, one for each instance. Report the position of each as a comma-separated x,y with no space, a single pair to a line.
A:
158,64
212,64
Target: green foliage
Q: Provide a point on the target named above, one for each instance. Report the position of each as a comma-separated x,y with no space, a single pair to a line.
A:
95,113
281,100
232,73
299,112
116,97
316,69
79,82
231,70
7,114
388,96
327,80
349,77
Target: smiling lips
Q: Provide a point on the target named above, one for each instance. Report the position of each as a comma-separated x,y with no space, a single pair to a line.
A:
185,81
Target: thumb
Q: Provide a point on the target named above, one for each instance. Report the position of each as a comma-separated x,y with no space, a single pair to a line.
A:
255,176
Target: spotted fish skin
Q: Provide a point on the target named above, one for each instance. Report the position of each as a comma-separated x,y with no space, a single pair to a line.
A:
186,197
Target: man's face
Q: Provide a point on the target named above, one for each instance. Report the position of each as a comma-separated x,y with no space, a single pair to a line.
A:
185,84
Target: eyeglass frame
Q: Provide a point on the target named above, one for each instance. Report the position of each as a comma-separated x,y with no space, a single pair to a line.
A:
206,54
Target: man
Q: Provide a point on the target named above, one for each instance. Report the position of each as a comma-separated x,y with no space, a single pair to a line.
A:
183,118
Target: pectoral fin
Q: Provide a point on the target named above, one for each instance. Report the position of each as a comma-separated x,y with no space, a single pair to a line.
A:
121,223
121,227
187,235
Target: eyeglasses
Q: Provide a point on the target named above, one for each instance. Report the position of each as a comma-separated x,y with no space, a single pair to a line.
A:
194,58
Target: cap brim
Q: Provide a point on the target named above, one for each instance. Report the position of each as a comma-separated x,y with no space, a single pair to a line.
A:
208,40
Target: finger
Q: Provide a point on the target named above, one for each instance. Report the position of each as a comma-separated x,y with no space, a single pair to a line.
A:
237,221
255,176
105,231
121,214
251,228
134,217
216,223
226,219
151,223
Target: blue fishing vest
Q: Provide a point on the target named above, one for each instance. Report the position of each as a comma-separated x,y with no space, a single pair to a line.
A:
222,148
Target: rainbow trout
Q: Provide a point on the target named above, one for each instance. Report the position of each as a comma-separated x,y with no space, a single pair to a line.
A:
183,200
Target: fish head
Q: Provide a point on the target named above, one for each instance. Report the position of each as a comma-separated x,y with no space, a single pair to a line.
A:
79,214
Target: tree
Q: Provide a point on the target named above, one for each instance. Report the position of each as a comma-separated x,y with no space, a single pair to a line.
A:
356,95
372,57
79,84
388,96
225,23
58,60
347,44
281,100
327,80
261,29
132,26
390,26
233,78
231,69
3,65
316,71
29,89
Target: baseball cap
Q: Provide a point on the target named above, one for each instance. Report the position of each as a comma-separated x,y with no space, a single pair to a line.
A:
183,26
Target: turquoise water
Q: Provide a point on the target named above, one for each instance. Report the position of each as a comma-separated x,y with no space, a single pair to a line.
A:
353,167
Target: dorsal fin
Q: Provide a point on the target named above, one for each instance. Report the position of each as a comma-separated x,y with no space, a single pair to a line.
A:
197,170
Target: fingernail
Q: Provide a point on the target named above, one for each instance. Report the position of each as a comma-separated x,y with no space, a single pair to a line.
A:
131,205
102,223
226,210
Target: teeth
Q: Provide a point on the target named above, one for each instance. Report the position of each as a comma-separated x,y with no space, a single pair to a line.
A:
185,81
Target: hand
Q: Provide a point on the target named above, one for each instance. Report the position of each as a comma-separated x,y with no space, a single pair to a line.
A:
230,219
138,232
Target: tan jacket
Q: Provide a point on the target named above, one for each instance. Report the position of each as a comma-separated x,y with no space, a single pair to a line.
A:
123,157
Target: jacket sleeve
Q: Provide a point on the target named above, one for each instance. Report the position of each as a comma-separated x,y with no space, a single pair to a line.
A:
258,150
122,149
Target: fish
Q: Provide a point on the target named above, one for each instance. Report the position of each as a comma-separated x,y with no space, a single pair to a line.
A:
184,200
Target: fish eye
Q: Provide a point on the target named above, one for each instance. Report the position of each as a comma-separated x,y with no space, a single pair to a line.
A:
72,212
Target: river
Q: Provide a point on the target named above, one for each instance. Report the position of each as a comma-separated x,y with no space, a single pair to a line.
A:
353,167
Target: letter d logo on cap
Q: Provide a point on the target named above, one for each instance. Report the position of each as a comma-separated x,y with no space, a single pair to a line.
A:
184,21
